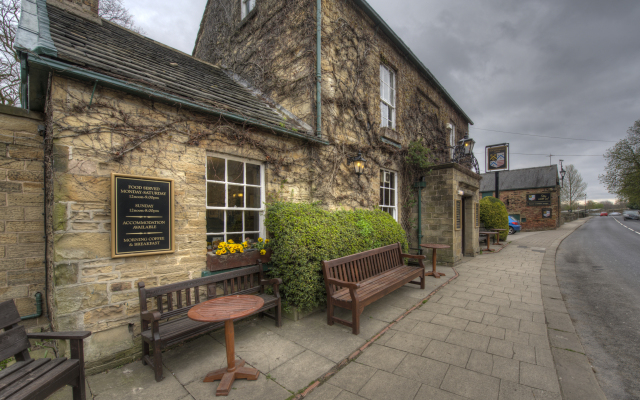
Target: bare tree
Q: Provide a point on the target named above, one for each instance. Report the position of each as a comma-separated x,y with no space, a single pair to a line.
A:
622,173
574,188
111,10
114,11
9,60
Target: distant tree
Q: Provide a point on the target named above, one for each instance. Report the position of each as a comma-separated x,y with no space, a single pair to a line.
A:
111,10
622,172
573,187
608,205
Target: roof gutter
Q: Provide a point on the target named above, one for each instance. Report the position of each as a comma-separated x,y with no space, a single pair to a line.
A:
371,13
152,94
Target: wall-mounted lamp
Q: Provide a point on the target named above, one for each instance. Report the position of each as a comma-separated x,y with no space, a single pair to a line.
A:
562,172
359,163
467,145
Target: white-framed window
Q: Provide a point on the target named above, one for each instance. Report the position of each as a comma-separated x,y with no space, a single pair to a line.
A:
247,6
452,138
235,199
389,192
388,96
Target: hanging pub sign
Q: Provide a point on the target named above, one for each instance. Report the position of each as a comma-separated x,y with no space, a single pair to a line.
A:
539,199
142,215
546,213
497,157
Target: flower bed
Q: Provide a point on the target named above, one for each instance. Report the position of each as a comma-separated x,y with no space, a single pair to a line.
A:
303,235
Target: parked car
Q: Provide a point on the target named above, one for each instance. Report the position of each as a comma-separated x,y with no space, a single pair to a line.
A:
514,226
604,214
614,214
630,214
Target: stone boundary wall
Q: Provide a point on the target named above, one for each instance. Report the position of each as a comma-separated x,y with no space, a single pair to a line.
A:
22,244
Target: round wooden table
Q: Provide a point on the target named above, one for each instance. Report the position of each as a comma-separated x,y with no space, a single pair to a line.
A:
227,309
435,247
488,234
498,235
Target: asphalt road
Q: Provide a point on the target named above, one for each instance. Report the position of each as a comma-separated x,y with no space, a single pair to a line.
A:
598,270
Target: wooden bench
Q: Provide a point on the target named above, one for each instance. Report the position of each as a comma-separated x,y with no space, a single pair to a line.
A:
37,379
168,323
358,280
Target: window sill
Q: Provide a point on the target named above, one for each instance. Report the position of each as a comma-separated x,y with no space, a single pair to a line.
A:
390,136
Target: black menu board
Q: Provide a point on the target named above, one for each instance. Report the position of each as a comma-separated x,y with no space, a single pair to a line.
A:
142,215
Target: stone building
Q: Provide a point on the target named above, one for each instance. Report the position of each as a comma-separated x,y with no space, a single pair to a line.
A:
112,101
531,195
375,96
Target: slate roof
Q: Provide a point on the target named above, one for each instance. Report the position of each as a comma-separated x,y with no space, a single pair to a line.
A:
526,178
111,50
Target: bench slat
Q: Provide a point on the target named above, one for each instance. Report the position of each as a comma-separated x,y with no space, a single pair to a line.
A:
25,368
13,342
42,368
8,314
13,368
45,385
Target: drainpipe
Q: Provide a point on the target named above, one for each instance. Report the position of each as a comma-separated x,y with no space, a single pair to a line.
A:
38,308
319,67
419,185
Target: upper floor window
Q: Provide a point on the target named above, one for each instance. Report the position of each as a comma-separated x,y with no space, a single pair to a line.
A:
235,193
247,6
389,193
452,138
388,96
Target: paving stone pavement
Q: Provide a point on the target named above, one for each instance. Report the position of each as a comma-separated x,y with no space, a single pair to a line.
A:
483,336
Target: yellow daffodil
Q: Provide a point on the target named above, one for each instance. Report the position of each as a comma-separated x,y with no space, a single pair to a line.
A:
231,241
266,240
260,240
241,250
245,244
221,245
218,252
232,251
263,252
223,251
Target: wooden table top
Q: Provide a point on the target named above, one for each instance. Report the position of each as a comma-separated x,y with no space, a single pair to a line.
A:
496,229
488,233
225,308
435,246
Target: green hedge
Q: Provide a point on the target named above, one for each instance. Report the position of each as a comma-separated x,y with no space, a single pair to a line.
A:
494,215
302,235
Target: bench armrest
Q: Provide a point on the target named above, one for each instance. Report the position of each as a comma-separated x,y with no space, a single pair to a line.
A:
150,316
78,335
274,281
415,257
340,283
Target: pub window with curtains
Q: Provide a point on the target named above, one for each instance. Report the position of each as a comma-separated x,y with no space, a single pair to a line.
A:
389,193
235,200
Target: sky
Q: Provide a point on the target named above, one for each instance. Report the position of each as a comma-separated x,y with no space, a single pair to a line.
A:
563,68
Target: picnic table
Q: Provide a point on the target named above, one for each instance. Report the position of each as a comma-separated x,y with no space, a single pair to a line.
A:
498,235
227,309
488,234
435,247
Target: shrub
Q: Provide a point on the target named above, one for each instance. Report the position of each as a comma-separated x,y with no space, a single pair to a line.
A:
494,215
303,235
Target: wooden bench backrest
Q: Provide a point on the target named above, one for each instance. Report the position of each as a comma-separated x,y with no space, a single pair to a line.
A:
178,298
13,341
360,266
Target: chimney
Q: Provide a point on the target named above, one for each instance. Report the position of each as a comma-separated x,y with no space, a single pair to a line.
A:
88,6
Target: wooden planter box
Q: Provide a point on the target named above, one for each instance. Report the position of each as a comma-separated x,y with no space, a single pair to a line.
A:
229,261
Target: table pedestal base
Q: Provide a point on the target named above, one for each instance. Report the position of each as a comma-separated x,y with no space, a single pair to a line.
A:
227,377
434,274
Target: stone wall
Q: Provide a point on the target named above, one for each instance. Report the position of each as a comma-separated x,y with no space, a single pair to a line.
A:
93,291
438,202
22,244
516,202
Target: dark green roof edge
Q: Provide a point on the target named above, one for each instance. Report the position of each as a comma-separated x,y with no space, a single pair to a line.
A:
145,92
34,38
386,29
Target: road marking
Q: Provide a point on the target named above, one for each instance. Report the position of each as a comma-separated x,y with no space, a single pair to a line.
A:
632,230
